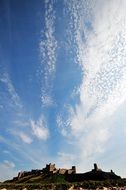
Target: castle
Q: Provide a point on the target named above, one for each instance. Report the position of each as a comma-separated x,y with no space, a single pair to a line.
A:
49,169
69,174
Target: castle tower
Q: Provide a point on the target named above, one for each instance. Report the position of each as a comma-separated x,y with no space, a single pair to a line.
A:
50,167
95,167
74,169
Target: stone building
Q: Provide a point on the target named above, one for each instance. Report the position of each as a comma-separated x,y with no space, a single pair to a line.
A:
50,168
72,170
62,171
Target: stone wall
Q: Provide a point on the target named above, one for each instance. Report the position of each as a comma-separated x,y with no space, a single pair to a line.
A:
62,171
50,168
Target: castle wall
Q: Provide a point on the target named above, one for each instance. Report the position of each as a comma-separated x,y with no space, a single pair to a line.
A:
50,168
62,171
70,171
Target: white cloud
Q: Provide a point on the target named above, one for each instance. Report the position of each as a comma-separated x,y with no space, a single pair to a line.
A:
27,152
48,47
94,142
102,56
21,123
22,135
8,170
46,100
15,99
103,87
25,138
8,164
39,128
62,125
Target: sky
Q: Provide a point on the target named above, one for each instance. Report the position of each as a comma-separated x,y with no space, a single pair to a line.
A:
62,85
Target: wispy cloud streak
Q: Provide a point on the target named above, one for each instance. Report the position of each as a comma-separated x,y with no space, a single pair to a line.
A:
14,98
8,170
39,128
48,46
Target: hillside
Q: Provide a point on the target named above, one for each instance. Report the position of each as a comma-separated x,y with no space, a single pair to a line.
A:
50,178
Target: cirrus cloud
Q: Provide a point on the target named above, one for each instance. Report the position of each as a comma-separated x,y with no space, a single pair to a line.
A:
39,128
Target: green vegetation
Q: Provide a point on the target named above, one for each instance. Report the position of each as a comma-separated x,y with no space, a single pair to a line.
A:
58,182
56,179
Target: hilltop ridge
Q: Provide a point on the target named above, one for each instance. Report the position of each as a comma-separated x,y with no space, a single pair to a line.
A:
51,174
52,178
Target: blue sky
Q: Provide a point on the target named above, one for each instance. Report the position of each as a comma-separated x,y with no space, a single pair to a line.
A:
62,84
